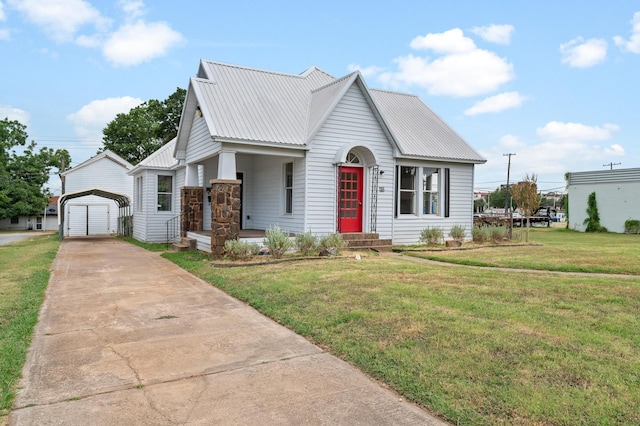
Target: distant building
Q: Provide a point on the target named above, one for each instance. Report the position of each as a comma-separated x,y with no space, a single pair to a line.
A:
616,197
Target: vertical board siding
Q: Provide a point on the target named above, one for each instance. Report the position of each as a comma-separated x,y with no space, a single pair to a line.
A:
407,228
351,123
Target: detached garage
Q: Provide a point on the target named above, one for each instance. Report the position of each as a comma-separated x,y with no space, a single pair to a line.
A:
96,197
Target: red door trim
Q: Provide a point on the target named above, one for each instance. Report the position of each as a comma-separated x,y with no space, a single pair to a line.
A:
350,199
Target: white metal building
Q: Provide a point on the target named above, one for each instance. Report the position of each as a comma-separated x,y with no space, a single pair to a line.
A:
617,197
82,212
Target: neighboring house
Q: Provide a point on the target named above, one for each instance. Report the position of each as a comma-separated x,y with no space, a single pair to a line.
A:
95,194
47,221
616,197
305,152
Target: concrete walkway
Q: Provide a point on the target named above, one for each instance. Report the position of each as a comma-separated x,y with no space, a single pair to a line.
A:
127,337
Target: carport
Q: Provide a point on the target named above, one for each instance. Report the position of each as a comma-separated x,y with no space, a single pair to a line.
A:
125,223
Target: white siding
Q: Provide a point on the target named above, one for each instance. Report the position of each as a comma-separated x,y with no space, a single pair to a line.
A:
351,123
151,225
104,174
616,202
200,145
407,228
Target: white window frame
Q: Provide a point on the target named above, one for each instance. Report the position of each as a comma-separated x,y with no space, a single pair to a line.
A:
419,192
287,188
170,194
429,192
139,193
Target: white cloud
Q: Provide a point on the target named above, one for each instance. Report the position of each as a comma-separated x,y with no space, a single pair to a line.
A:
16,114
133,44
91,119
133,8
556,131
500,34
61,18
452,41
365,71
497,103
461,70
2,15
583,54
633,44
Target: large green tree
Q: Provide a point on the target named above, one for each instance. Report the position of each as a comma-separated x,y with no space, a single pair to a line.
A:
23,174
145,128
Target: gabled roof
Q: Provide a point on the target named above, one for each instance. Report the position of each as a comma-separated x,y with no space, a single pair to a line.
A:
105,154
251,105
161,159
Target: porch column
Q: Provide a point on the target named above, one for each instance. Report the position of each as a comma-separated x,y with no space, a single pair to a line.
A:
191,175
227,165
191,204
225,213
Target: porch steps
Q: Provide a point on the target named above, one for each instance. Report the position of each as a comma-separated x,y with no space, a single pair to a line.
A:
185,244
366,241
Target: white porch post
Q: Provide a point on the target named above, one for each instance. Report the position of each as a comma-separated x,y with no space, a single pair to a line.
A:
191,175
227,165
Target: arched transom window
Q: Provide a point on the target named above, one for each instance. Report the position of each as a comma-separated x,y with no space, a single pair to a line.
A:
352,158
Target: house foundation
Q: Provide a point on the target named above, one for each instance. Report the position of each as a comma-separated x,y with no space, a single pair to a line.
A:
191,200
225,213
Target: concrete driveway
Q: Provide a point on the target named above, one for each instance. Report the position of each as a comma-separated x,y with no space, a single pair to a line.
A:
127,337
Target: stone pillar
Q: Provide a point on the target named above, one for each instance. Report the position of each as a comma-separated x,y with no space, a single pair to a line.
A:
225,213
191,203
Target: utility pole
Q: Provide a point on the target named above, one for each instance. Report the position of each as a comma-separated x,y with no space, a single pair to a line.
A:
611,165
507,201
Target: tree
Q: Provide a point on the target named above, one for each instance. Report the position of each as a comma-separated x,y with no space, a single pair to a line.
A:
525,193
498,198
23,176
140,132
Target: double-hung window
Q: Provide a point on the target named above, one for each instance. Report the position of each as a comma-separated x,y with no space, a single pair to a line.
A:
430,190
165,193
288,188
422,191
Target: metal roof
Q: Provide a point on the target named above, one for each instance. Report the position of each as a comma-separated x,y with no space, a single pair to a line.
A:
120,199
254,105
604,176
161,159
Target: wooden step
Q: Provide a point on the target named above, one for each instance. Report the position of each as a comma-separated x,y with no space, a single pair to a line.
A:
185,244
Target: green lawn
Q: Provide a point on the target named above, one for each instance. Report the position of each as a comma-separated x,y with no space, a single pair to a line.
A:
555,249
475,346
24,274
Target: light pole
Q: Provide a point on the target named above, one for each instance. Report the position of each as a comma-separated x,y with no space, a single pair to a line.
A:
507,204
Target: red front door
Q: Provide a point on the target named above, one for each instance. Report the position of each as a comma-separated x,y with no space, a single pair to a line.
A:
350,207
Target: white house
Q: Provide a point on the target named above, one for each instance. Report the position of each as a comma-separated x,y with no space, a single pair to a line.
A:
616,197
47,221
306,152
95,192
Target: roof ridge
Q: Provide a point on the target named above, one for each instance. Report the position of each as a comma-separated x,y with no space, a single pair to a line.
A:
302,75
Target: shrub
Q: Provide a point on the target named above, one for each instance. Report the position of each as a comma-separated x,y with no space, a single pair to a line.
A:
240,250
432,235
458,233
498,234
593,219
332,241
480,234
632,226
277,241
306,243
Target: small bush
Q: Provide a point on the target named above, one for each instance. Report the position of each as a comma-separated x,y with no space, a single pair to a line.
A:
498,234
306,243
632,226
458,233
277,241
240,250
432,236
480,234
332,241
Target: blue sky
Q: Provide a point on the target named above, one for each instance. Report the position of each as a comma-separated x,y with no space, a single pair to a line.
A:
554,82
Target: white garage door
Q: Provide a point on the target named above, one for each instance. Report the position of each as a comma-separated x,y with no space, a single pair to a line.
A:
88,219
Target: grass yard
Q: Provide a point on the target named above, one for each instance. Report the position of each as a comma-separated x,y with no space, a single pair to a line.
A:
474,346
556,249
24,274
